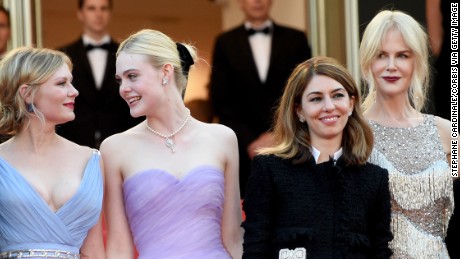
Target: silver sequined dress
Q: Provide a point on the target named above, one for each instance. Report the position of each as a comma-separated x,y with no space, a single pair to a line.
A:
421,187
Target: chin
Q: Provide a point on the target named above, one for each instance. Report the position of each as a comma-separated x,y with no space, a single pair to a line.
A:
135,114
71,118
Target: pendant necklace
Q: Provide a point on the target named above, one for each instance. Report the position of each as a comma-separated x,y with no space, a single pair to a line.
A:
169,143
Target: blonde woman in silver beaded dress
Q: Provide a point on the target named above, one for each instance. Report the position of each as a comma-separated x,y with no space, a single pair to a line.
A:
413,146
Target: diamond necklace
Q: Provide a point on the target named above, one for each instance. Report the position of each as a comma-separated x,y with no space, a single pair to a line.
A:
169,143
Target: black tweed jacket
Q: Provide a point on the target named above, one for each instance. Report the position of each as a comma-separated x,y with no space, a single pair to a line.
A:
331,210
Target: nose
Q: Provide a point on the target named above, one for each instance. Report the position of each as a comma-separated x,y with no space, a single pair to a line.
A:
328,105
73,92
391,64
123,89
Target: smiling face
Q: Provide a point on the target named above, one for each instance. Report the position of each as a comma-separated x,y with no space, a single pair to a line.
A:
393,67
325,106
55,98
140,83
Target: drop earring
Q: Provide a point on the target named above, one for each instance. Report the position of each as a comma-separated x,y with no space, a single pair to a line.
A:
350,113
302,119
29,107
164,82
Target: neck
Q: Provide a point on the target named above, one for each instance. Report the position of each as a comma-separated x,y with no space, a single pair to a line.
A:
35,140
255,23
392,110
97,36
169,142
170,126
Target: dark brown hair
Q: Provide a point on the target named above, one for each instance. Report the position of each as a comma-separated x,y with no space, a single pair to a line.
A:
292,137
82,2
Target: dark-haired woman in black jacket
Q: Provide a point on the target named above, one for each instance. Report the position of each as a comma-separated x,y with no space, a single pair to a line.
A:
312,194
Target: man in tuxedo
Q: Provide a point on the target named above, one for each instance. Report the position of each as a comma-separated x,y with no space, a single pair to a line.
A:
99,109
251,64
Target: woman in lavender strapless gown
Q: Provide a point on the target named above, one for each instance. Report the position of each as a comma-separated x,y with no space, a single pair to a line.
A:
172,181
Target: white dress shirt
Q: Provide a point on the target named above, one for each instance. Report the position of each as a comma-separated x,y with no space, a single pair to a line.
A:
97,58
261,45
315,152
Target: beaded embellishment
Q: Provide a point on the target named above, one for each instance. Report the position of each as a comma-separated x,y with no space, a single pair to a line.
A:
420,185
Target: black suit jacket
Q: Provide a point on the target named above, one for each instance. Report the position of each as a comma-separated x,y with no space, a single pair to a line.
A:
333,211
95,110
239,99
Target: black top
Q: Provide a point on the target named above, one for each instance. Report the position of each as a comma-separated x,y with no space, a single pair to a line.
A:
334,211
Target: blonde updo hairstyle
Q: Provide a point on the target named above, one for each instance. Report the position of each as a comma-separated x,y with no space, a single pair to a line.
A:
415,38
25,66
161,50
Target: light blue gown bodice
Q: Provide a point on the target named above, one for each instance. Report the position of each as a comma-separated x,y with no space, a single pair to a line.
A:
27,222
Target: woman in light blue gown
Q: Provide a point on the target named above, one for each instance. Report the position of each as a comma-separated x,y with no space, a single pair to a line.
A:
50,188
172,181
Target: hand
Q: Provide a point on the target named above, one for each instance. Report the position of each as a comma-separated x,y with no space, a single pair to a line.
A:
264,140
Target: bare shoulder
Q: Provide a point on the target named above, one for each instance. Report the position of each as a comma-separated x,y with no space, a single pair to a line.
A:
112,142
118,142
68,154
77,150
220,144
444,133
443,126
219,131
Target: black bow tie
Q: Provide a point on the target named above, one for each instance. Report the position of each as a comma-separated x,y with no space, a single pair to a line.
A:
102,46
265,30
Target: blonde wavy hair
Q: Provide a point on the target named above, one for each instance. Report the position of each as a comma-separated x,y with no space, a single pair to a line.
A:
24,66
416,39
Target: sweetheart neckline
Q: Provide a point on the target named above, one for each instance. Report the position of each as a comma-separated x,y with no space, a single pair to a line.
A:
177,179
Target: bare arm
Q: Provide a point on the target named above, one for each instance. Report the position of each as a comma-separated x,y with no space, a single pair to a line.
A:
119,239
444,132
232,232
93,246
434,24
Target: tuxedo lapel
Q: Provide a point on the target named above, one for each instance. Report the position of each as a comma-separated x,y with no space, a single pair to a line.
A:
109,72
276,51
87,88
247,57
86,64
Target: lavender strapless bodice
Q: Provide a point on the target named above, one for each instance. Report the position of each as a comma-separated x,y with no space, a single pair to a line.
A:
176,218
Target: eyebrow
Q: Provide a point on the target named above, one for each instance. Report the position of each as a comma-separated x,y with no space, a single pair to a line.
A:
128,71
333,91
402,51
63,78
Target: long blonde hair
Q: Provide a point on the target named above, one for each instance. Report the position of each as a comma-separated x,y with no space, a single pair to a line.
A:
292,137
415,38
